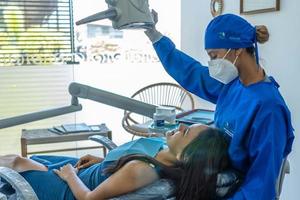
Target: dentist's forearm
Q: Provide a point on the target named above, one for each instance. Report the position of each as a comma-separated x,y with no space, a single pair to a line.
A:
153,35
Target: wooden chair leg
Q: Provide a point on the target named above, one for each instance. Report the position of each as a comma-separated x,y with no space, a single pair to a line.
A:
23,147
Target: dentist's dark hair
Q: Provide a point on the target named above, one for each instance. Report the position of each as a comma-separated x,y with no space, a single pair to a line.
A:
262,36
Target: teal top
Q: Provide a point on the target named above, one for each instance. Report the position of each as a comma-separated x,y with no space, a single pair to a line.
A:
146,146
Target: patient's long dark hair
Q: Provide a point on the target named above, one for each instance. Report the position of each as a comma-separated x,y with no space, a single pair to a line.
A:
202,160
195,175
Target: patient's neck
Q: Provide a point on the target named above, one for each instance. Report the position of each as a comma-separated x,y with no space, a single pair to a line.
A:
166,157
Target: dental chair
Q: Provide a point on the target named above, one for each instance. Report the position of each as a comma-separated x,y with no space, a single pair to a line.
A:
14,187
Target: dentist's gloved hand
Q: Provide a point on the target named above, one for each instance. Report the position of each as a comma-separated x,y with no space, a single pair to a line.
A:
153,34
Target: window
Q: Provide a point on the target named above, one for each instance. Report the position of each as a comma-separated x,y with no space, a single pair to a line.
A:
118,61
35,32
35,36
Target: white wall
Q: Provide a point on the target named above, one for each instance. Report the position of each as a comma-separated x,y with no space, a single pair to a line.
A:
281,54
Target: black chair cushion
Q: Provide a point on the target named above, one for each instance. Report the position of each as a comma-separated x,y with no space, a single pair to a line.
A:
227,183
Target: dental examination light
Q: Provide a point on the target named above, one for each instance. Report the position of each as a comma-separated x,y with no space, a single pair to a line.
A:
86,92
124,14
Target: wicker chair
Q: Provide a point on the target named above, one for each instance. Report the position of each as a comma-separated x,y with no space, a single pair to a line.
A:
162,94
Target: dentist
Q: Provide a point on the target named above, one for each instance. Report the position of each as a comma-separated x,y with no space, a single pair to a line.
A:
249,106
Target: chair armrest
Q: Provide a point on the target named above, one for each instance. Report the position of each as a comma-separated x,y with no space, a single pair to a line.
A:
110,145
284,169
23,189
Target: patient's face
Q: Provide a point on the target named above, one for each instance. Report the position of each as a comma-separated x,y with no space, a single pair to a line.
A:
178,139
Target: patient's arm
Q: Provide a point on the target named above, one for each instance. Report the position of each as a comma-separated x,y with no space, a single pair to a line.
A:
87,161
133,175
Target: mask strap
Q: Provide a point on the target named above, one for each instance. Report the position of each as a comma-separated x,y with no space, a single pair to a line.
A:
235,59
226,53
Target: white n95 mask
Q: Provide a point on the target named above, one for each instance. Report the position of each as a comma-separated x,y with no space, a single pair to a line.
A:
222,69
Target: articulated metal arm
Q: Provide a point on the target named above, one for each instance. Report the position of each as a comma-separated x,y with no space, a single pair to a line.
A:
125,103
86,92
23,119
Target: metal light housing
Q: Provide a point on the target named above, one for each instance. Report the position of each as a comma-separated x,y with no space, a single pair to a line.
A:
124,14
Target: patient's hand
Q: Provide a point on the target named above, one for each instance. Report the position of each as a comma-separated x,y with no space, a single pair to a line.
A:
87,161
66,172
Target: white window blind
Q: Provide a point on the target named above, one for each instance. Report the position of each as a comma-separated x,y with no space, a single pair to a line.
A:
35,31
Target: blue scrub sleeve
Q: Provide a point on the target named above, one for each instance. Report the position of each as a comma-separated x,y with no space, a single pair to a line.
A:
188,72
266,144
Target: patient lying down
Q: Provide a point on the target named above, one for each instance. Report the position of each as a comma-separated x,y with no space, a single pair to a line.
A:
193,157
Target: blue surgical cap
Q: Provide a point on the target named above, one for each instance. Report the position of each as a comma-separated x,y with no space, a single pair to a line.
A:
230,31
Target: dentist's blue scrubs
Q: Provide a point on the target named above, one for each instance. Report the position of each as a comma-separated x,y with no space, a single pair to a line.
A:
254,116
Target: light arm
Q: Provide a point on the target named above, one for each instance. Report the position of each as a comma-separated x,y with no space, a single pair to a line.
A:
124,14
102,96
86,92
23,119
110,13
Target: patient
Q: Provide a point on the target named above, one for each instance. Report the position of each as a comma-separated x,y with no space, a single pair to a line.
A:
192,158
